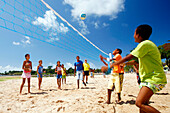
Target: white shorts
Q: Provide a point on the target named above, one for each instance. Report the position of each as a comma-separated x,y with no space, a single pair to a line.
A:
26,75
79,75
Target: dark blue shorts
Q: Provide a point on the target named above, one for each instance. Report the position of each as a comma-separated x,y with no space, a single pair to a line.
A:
138,78
40,75
59,76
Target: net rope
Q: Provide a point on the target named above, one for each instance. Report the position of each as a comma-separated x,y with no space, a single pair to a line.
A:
37,20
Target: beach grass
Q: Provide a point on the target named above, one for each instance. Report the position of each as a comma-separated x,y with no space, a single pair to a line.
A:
8,78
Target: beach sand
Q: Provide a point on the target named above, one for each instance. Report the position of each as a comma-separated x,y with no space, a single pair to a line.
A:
89,99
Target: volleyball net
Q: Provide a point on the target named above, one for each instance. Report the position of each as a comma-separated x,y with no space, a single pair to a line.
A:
37,20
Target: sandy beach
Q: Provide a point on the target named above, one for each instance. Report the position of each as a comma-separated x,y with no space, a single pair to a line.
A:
89,99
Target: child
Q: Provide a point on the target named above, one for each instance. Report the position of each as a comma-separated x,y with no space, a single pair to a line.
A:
27,67
114,81
39,73
64,74
151,73
58,70
135,64
78,71
86,70
92,73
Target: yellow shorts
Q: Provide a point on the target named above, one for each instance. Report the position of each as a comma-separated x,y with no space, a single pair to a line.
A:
114,81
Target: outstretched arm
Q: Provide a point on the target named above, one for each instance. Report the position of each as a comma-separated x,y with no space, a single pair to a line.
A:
56,69
133,62
101,58
127,58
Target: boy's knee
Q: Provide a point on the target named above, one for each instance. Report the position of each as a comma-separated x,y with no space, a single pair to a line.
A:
138,103
23,82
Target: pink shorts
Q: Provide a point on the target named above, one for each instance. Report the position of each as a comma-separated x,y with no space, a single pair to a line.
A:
26,75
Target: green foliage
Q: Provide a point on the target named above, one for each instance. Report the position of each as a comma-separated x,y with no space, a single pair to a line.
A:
8,78
165,54
70,70
128,68
97,71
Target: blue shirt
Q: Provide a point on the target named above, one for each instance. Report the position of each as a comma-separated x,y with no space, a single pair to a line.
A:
79,65
40,69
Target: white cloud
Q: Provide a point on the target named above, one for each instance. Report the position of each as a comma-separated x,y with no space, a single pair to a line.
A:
68,65
92,65
52,39
16,43
96,25
23,42
27,41
9,68
49,23
53,65
105,24
84,29
96,7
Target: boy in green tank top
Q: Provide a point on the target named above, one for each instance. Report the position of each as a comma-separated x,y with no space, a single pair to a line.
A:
151,72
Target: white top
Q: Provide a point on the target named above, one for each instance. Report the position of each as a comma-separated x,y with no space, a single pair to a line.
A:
59,68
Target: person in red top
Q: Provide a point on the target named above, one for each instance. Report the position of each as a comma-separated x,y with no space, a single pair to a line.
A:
114,81
27,68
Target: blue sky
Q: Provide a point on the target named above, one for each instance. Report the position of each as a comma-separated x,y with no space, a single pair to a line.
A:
109,25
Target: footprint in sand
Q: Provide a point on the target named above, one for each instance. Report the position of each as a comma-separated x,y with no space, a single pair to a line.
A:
59,109
30,97
32,102
33,106
100,101
23,100
100,97
59,101
78,99
8,109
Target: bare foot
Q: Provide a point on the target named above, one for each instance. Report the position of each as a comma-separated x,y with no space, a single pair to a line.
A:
107,102
119,99
84,83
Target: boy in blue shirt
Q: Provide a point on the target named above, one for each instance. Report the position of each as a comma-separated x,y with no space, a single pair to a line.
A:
78,70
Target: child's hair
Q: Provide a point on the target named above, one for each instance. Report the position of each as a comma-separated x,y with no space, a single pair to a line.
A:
77,56
26,55
58,61
144,31
40,61
120,51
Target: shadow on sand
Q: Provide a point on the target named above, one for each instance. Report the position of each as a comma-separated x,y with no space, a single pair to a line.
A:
131,102
39,93
68,89
88,88
162,93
